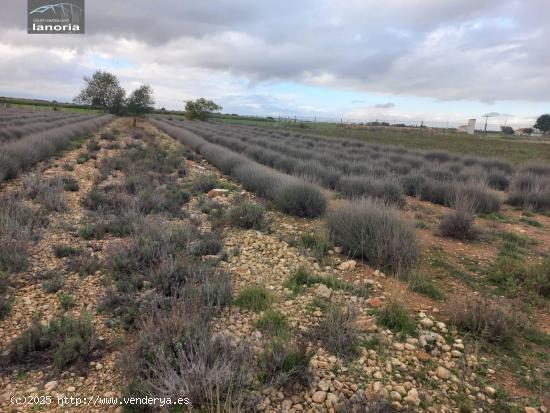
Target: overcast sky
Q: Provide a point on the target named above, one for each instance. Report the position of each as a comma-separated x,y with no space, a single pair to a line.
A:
438,60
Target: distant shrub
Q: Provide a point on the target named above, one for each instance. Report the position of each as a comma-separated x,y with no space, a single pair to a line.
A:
25,152
300,199
438,156
338,331
70,184
394,315
84,265
373,231
208,245
487,320
6,304
413,184
481,199
6,301
83,157
62,251
364,186
317,172
204,182
13,255
46,191
17,221
93,145
247,215
498,181
69,339
458,224
257,178
66,301
435,192
174,354
108,136
255,298
215,289
530,190
54,283
92,231
284,364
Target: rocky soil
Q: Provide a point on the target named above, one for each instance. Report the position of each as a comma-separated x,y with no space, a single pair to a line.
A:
435,371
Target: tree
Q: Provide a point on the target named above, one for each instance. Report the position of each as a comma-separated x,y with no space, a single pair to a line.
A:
528,131
543,124
507,130
140,102
200,108
102,89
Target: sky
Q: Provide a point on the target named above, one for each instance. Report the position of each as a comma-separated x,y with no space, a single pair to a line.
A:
437,61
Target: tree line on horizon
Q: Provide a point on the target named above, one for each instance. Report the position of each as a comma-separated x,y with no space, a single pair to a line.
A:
103,89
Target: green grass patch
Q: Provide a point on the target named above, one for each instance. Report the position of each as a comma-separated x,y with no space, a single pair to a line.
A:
514,245
254,298
62,251
301,277
536,336
318,245
517,151
77,142
317,303
92,231
438,260
394,315
531,221
66,301
423,285
513,274
66,339
203,183
273,323
53,283
498,217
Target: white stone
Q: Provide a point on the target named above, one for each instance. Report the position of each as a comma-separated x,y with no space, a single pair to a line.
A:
443,373
323,291
412,397
347,265
490,391
319,396
51,385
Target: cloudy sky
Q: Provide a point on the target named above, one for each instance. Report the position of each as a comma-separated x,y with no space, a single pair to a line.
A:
433,60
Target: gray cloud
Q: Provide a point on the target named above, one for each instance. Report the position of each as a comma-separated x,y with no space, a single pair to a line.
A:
496,114
485,50
388,105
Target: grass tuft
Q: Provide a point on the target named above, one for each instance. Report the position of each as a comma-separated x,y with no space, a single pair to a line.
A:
254,298
394,315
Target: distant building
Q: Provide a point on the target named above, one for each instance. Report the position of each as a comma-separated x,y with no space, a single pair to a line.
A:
470,128
524,132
